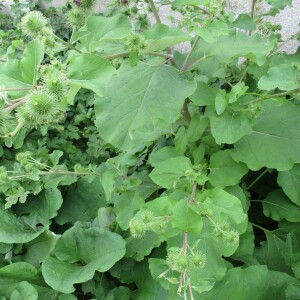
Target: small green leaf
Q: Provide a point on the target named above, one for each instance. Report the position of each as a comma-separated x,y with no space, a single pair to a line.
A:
33,56
168,172
221,102
244,21
186,219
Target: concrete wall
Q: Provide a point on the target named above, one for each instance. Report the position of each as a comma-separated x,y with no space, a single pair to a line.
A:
289,18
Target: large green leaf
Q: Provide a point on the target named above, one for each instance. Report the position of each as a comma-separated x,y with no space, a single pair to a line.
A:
140,104
40,209
254,282
13,275
160,37
290,182
275,139
272,253
33,56
36,250
213,31
29,220
24,290
13,229
90,71
11,75
99,29
229,47
94,248
230,126
284,77
224,171
82,202
204,94
278,207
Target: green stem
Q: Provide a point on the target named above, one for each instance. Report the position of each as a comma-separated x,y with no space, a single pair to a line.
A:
13,133
13,106
154,11
271,96
198,61
257,179
260,227
252,13
69,45
190,53
15,89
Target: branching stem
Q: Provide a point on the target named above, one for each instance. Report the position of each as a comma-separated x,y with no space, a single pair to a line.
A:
154,11
190,53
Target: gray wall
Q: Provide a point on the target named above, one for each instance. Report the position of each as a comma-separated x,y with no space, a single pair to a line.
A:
289,18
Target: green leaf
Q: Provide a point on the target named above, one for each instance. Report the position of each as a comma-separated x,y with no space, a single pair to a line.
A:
254,282
24,290
58,179
36,211
280,4
90,71
33,56
82,202
168,172
13,276
290,182
226,206
284,77
99,29
272,253
95,249
213,31
229,127
278,207
275,140
127,203
230,47
204,94
185,218
140,104
224,171
221,102
138,248
244,21
36,250
160,37
189,2
11,75
40,209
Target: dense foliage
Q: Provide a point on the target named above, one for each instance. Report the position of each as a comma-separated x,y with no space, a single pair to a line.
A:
131,170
